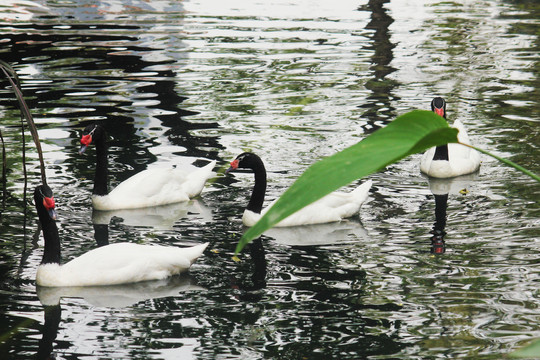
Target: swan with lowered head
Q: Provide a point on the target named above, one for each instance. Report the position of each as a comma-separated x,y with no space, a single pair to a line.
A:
113,264
452,159
333,207
151,187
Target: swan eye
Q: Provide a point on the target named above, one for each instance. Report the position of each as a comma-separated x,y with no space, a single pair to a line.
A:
86,139
234,164
48,202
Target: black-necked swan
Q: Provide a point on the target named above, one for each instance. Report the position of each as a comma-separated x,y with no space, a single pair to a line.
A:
333,207
113,264
453,159
151,187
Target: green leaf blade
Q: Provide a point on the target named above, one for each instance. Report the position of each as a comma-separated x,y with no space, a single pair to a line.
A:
410,133
531,351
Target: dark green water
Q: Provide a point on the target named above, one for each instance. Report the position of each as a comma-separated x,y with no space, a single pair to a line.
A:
177,81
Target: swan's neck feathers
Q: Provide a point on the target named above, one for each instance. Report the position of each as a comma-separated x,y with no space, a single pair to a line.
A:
119,264
51,252
441,152
101,177
257,196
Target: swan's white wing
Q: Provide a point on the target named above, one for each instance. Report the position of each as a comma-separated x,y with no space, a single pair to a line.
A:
462,159
333,207
119,264
153,187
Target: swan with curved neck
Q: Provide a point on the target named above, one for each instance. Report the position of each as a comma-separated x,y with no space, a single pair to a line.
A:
452,159
333,207
151,187
113,264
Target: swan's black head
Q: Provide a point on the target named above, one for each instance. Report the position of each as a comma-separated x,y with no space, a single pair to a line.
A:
245,160
438,106
89,135
44,200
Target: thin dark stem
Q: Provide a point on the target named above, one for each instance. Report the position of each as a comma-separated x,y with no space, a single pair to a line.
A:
25,111
4,170
507,162
25,174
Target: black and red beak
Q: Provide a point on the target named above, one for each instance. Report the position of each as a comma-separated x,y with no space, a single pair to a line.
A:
439,111
86,140
234,166
438,106
48,203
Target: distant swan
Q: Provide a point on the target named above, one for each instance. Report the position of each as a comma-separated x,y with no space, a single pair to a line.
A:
151,187
452,159
114,264
333,207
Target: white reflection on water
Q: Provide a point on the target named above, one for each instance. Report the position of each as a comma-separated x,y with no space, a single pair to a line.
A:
293,82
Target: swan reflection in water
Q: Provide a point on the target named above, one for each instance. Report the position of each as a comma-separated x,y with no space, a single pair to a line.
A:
319,234
118,296
53,315
114,296
305,236
441,188
158,217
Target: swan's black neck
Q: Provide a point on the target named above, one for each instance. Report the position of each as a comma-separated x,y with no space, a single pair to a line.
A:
257,196
441,153
51,253
102,173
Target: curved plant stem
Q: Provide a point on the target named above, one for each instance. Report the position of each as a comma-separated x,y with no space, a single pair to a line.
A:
4,171
11,75
507,162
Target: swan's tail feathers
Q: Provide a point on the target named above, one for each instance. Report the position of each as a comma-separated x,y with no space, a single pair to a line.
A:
361,192
194,252
207,169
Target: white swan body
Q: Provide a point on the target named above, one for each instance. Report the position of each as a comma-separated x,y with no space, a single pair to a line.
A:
461,159
449,160
154,187
120,263
151,187
333,207
107,265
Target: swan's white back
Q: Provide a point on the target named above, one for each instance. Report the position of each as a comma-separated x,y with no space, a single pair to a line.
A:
461,159
155,187
333,207
119,264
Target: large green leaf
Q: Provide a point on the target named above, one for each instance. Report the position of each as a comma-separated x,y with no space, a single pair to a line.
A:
408,134
532,351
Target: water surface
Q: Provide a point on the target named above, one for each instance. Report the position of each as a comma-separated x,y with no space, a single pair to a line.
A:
186,82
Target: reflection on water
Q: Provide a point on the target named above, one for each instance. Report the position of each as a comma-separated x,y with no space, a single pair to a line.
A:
157,217
52,317
119,295
441,188
378,106
180,81
437,240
